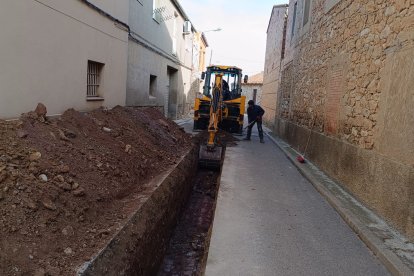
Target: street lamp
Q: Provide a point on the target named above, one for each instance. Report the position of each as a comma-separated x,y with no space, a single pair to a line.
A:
213,30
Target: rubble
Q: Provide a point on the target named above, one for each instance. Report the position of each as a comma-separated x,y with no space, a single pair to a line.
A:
68,176
43,177
21,133
68,251
35,156
41,110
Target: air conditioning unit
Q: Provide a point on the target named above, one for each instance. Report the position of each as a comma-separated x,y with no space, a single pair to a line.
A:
187,27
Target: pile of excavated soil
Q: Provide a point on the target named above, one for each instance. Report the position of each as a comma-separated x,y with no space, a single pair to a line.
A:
68,184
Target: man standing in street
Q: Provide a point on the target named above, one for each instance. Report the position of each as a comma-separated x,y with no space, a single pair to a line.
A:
254,114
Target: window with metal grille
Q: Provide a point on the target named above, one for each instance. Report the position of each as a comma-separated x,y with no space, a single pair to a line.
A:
306,12
157,11
295,9
94,78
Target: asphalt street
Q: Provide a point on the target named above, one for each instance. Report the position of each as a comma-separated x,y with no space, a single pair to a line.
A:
270,220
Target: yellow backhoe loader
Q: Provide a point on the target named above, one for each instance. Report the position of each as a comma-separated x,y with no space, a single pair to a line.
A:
221,107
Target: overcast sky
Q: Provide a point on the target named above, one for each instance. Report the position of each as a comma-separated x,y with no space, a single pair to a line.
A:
242,42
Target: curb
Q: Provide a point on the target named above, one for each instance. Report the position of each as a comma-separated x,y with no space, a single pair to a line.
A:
388,258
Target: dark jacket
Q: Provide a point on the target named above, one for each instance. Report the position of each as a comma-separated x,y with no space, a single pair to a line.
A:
255,112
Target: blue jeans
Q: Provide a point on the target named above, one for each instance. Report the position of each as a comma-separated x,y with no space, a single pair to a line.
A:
259,129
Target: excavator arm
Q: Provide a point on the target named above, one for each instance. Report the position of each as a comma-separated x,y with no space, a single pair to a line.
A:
210,155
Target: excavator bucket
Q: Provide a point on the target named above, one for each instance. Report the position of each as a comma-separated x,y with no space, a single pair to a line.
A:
210,158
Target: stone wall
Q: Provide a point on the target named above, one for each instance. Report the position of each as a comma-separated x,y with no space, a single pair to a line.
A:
285,89
340,65
348,74
273,61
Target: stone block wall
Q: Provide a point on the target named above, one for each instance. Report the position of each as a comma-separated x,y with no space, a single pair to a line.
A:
349,76
274,46
340,65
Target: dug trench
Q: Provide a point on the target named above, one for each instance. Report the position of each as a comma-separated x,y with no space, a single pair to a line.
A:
187,251
101,194
188,248
181,238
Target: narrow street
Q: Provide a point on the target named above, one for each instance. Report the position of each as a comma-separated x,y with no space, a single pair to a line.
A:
122,126
271,221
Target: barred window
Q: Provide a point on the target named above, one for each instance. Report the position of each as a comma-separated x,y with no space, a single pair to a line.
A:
295,9
306,12
94,78
157,11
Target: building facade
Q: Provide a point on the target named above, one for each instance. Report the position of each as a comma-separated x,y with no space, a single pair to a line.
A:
65,54
199,55
253,89
274,51
160,56
346,79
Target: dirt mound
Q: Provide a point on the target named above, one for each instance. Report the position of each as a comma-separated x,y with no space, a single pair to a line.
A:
67,184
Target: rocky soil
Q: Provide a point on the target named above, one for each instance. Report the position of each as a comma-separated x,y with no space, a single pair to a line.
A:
68,184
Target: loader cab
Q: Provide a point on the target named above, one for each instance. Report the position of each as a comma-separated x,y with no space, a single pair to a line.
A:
232,78
233,102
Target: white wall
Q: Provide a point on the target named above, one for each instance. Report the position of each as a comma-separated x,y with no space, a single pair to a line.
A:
151,52
144,63
248,92
160,34
117,8
45,49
